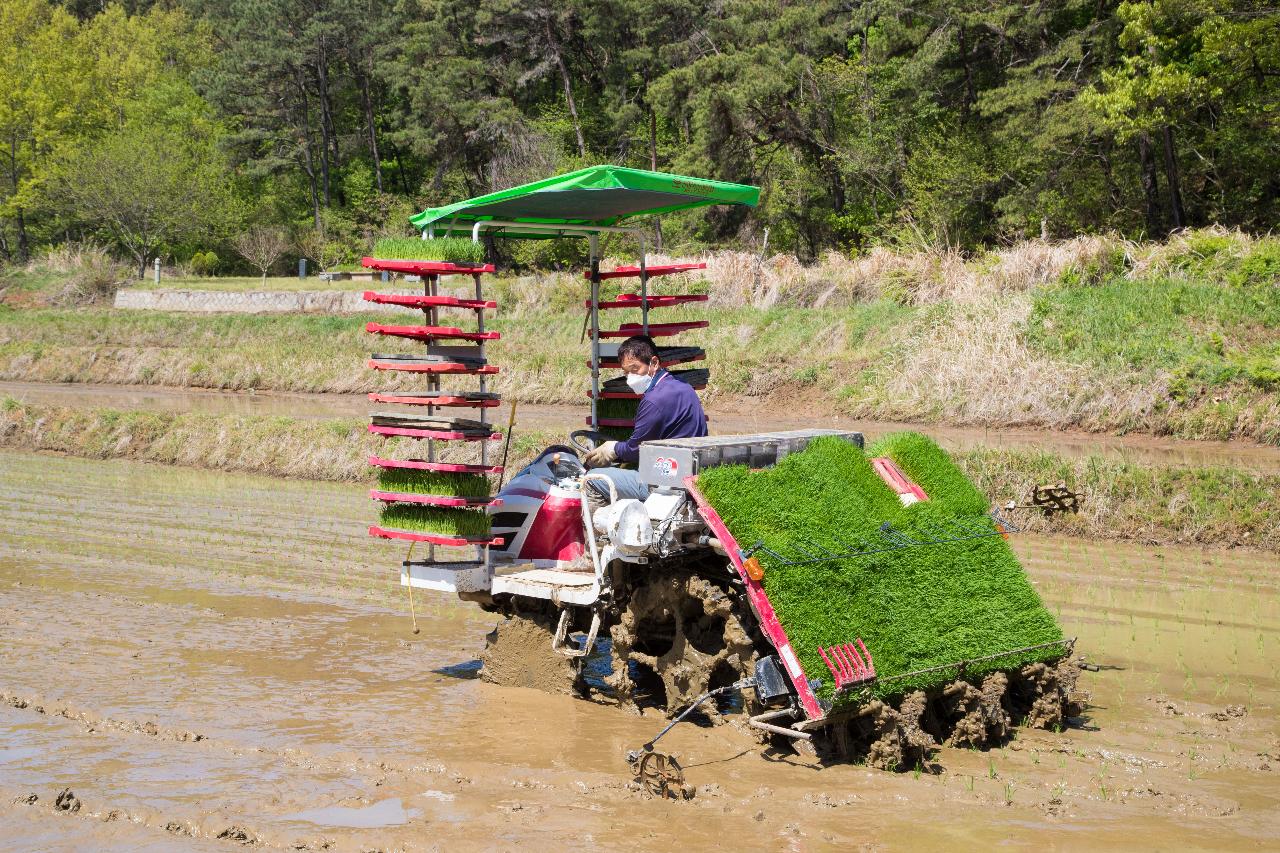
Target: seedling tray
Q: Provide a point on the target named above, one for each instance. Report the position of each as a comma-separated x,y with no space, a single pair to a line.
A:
629,423
410,300
667,356
442,398
430,333
613,388
433,538
656,330
443,435
425,267
632,300
423,366
423,465
431,500
630,271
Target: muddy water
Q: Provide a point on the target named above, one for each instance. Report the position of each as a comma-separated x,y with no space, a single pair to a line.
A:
206,659
735,417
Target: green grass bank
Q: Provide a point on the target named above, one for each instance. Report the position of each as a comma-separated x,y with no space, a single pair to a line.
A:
1179,338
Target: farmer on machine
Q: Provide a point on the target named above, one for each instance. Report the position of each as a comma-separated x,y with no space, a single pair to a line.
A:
668,408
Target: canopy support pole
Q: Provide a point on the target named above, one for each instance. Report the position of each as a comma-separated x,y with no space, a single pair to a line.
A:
644,288
593,241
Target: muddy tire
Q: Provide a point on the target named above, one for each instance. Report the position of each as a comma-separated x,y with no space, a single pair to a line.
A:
678,636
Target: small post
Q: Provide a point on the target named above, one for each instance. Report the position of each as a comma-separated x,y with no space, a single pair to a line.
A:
157,268
302,267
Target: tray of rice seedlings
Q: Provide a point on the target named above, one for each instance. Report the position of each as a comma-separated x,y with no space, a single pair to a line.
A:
697,377
667,356
442,255
470,399
616,412
437,488
451,363
656,330
438,525
938,616
427,426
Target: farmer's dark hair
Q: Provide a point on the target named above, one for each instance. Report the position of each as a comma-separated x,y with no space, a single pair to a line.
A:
639,347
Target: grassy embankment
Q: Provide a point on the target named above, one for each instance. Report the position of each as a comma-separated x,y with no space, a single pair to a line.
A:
1180,338
1213,506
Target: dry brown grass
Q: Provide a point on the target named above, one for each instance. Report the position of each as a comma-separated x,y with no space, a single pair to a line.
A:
91,274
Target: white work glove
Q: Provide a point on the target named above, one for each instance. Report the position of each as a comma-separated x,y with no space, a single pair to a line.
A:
603,456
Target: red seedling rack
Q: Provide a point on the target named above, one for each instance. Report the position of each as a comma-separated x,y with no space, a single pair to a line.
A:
443,367
656,330
645,302
430,333
430,302
432,268
433,538
409,300
431,500
635,300
630,271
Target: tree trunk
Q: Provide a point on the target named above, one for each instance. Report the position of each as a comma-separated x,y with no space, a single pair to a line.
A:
308,164
1176,212
24,244
1150,188
322,95
653,166
568,87
373,133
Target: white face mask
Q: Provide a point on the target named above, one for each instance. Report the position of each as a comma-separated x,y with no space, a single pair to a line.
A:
638,382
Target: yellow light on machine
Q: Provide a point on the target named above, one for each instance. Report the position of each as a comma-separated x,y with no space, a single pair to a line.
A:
755,571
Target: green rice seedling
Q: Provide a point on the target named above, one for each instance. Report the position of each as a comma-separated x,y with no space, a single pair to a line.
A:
448,249
916,607
418,482
615,433
610,407
439,520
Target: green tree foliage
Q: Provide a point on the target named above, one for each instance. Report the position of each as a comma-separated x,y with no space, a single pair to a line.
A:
932,122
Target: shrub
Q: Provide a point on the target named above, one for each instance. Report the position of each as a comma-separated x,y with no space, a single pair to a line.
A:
204,263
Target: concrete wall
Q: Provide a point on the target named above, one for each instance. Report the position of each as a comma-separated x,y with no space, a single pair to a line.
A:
250,302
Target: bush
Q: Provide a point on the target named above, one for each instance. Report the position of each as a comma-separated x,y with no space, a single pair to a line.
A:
92,273
204,263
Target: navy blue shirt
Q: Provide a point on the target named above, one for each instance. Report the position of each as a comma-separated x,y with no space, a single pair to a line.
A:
669,409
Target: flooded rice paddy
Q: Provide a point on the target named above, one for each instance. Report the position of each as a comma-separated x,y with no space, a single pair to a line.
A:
200,661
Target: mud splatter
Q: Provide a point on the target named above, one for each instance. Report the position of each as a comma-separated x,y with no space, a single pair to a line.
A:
517,653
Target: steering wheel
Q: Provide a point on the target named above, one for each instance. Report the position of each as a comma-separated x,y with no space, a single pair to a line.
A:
587,440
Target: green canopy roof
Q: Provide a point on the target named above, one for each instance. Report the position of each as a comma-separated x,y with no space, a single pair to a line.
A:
598,196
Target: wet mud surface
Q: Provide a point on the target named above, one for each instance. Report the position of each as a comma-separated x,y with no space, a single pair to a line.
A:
729,417
204,661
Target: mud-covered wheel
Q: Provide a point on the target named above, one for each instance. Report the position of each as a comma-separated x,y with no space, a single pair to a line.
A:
678,635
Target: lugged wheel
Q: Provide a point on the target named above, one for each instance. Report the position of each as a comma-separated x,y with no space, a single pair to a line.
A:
682,635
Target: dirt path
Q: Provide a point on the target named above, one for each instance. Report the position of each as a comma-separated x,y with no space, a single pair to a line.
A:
206,659
729,417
